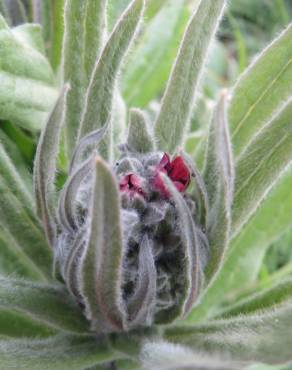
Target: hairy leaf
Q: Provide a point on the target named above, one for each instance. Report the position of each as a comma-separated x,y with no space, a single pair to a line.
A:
14,181
99,96
61,352
261,165
95,34
73,68
101,264
139,137
190,264
27,86
168,356
219,179
46,163
265,337
261,90
16,325
267,298
26,233
178,99
48,304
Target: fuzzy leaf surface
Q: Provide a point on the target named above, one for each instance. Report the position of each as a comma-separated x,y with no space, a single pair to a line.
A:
73,68
47,304
101,263
139,136
168,356
246,252
103,80
26,232
46,164
261,165
27,85
265,337
176,107
261,90
267,298
95,34
219,178
61,352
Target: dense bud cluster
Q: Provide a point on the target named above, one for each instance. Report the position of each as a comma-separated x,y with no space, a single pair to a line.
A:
157,281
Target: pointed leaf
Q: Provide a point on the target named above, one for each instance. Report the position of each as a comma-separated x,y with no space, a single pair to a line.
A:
190,264
139,137
265,337
95,34
91,139
200,185
245,255
262,163
45,165
177,102
261,90
67,201
101,264
50,305
99,96
268,298
73,68
31,34
61,352
219,179
144,298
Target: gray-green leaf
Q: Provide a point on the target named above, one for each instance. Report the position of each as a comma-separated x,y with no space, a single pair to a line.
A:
99,96
178,99
101,264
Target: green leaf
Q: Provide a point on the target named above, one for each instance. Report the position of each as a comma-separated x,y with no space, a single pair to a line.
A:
26,232
101,265
14,181
30,34
46,164
95,34
15,325
261,90
27,85
190,263
262,163
168,356
58,32
219,178
73,68
14,260
62,352
268,298
139,137
48,304
265,337
148,68
246,252
102,84
177,102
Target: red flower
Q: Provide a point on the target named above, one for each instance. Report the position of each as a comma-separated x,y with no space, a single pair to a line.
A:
176,170
132,184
